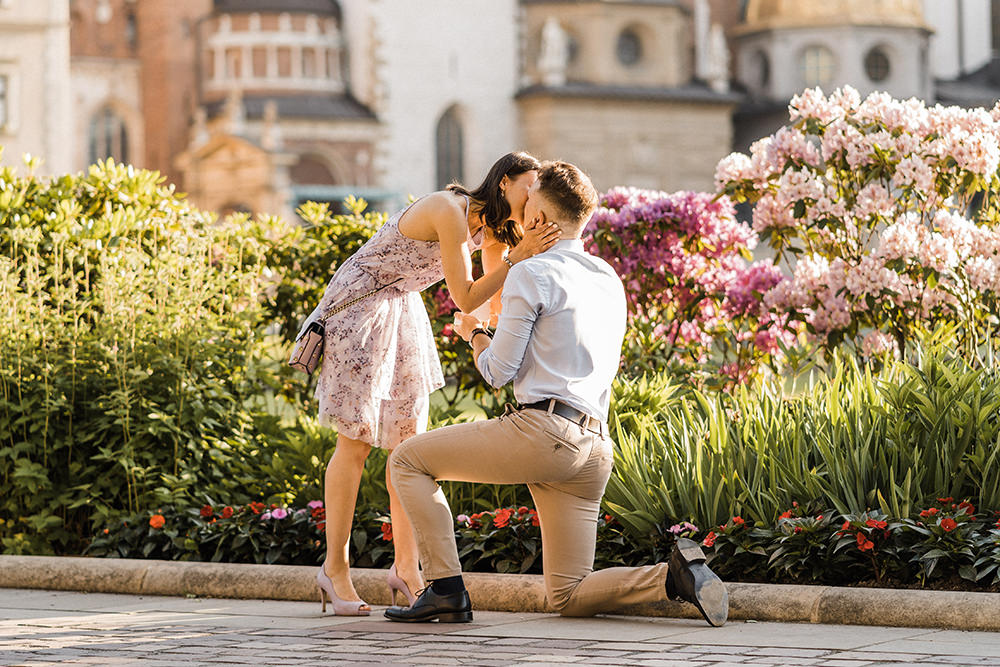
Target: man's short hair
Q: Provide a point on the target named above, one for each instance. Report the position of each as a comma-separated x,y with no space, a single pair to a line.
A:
570,191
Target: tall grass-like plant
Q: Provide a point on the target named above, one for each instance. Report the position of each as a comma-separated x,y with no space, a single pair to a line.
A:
855,440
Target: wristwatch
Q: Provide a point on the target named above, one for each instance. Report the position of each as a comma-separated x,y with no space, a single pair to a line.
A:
506,260
479,330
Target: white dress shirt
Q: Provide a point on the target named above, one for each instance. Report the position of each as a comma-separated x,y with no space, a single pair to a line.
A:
561,329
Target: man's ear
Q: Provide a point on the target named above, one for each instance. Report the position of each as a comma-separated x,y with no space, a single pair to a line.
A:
540,218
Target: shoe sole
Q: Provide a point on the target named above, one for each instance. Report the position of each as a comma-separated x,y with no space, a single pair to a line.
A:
451,617
710,595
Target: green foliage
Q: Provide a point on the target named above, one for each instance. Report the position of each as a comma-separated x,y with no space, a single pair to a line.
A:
303,258
854,441
128,323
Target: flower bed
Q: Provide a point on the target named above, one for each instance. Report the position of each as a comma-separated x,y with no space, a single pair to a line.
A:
947,545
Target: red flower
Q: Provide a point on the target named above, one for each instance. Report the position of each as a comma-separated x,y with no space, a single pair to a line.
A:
522,510
227,512
847,524
864,543
997,524
969,508
318,513
387,531
534,520
502,517
157,521
106,531
256,507
321,526
819,518
945,500
786,514
447,330
709,539
738,521
608,518
798,529
872,523
206,511
928,512
949,524
795,504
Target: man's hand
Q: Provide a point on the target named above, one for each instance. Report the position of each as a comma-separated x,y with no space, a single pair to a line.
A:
464,324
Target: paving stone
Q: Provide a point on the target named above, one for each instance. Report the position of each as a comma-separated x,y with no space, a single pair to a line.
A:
552,658
789,652
842,663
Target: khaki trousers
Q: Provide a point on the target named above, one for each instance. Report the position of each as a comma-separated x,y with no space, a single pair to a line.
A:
566,469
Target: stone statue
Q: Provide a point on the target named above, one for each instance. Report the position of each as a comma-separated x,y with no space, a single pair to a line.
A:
717,70
554,54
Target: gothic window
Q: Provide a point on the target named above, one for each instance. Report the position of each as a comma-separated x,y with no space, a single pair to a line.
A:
816,66
877,64
449,149
131,30
108,137
629,48
4,100
761,70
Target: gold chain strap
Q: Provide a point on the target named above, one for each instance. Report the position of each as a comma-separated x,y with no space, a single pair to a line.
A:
330,313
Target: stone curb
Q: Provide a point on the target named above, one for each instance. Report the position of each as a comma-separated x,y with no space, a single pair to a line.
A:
501,592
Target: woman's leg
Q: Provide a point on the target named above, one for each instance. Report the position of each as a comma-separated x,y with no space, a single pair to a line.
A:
399,425
340,494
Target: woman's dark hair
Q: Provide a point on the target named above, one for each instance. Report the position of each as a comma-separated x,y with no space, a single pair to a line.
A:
489,199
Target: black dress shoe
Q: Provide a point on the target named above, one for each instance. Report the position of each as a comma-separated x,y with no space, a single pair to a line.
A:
454,608
688,578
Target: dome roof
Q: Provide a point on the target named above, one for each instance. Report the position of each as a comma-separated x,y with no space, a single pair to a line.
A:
769,14
321,7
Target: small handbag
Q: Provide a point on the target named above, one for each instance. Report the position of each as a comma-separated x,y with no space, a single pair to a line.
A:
308,348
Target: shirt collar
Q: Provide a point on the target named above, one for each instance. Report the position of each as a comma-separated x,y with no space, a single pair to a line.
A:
575,245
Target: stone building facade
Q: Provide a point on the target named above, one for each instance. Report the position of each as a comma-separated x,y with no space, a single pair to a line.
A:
35,102
259,105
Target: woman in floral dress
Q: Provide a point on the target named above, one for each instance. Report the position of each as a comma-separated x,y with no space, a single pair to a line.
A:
379,362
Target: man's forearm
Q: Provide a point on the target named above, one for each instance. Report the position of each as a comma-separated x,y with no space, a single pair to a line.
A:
479,344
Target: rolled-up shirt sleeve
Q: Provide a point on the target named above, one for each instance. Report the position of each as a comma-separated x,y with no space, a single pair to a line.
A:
522,303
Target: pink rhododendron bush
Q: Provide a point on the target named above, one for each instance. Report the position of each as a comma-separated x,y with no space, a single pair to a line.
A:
883,212
694,299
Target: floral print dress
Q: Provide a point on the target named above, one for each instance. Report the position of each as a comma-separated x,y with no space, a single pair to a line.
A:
380,363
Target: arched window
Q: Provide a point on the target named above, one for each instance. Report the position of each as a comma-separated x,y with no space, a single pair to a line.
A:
629,47
108,137
449,146
311,170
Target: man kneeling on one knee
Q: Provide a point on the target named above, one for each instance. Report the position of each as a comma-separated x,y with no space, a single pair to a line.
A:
559,338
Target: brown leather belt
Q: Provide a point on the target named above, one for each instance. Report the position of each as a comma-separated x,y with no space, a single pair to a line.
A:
592,424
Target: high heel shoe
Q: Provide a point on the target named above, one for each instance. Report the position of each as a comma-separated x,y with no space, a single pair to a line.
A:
396,583
340,607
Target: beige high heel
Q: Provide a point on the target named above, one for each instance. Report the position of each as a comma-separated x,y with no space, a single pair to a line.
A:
396,584
340,607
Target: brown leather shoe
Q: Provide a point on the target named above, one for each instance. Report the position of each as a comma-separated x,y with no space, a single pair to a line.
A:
689,579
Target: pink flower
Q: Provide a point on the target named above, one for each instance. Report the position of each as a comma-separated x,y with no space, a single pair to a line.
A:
314,504
279,513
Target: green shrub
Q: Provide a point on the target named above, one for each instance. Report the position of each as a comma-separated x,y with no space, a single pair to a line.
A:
128,323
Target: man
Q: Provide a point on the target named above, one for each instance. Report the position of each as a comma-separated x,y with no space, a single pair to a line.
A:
559,339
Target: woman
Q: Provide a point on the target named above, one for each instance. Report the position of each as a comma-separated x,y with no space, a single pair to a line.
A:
379,361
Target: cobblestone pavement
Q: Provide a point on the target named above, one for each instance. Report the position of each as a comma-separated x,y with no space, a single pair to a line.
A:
46,628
